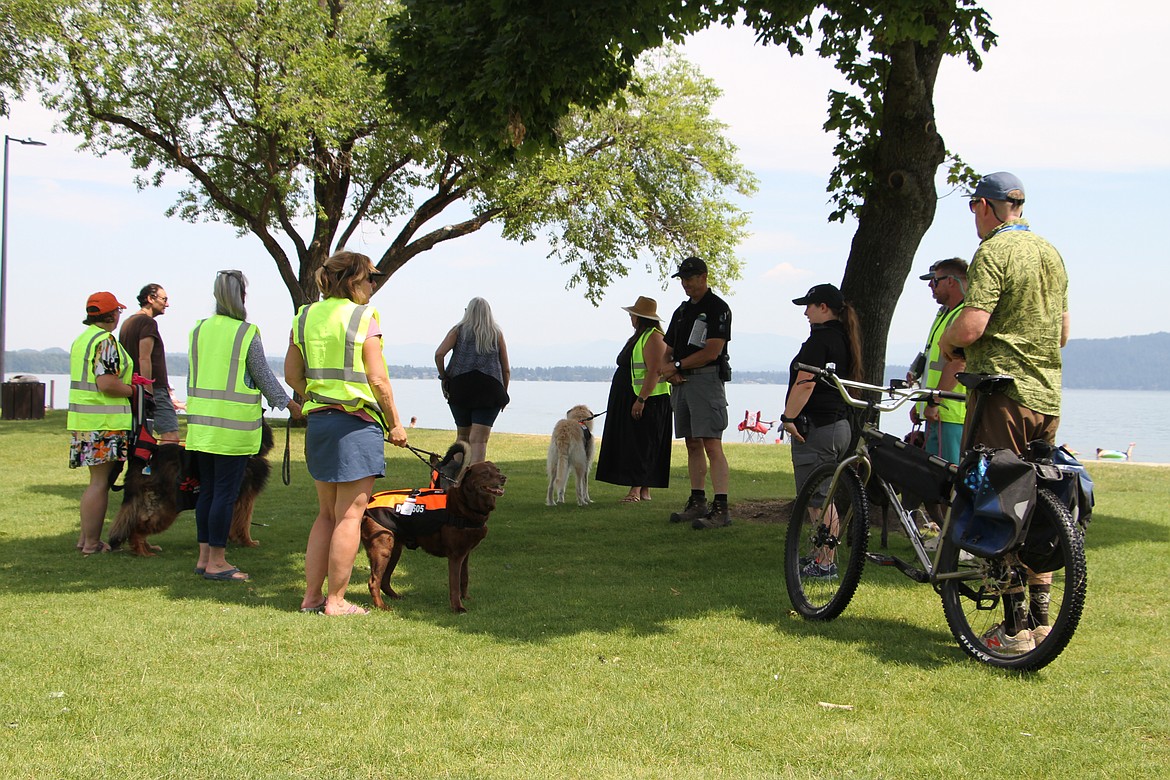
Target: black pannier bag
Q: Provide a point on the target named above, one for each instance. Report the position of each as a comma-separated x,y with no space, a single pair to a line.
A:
1072,486
909,468
994,500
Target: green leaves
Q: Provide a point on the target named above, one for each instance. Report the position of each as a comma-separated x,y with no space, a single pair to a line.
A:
270,111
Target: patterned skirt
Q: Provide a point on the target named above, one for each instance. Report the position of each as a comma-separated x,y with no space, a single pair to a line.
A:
93,448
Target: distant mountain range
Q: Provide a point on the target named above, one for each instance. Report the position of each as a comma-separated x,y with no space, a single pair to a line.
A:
1125,363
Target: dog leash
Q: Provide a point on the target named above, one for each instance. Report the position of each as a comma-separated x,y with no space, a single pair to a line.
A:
286,466
587,419
431,462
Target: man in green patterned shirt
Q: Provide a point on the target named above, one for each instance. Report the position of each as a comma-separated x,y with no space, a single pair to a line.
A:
1015,322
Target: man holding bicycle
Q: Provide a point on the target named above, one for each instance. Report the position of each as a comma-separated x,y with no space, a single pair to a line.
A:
1015,322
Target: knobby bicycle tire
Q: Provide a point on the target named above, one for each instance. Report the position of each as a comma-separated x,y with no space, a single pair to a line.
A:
809,539
973,607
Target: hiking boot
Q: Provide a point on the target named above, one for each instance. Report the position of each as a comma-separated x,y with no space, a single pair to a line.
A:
696,508
997,639
815,571
717,517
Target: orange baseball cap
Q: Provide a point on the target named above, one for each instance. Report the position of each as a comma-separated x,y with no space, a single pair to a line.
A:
102,303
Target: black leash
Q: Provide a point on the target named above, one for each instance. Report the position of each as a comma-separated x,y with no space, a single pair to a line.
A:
431,462
587,419
286,466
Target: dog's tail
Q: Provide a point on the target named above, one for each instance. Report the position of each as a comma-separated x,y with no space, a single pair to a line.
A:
121,527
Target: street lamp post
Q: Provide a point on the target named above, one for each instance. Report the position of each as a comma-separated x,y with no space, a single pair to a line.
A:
4,244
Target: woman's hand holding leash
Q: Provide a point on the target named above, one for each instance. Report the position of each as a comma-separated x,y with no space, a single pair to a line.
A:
397,436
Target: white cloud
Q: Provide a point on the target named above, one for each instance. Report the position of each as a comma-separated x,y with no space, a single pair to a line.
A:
786,272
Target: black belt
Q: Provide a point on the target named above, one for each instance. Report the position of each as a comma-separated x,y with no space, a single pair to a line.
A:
708,369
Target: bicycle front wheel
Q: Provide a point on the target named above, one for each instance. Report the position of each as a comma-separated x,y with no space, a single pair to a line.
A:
825,546
1053,600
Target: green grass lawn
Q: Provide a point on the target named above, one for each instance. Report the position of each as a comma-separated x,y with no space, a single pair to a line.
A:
600,642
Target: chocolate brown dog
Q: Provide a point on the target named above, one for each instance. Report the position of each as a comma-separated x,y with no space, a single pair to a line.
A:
450,533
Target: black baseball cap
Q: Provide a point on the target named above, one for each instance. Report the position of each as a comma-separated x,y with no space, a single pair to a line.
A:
822,293
929,274
692,266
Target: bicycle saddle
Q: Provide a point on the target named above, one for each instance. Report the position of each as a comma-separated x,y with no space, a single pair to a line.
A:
983,383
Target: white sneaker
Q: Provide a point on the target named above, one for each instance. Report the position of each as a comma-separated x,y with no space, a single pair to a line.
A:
1040,633
996,639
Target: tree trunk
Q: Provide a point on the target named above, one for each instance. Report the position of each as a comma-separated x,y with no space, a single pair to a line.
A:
900,203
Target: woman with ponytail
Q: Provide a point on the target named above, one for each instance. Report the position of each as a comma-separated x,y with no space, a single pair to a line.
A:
815,415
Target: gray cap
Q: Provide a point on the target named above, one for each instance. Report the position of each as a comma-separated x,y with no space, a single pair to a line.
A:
999,186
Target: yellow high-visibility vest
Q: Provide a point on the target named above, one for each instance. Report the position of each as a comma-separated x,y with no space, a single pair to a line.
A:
330,335
223,413
948,411
89,408
638,367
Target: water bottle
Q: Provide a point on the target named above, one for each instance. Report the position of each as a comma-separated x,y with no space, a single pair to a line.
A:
976,476
408,507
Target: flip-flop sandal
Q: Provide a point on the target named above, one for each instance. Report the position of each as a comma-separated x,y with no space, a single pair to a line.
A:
629,500
351,609
200,570
227,575
317,610
101,548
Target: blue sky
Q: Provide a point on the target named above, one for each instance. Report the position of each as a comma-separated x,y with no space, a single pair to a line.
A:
1064,101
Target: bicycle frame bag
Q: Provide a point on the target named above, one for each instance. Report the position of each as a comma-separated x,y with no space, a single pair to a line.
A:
994,500
909,468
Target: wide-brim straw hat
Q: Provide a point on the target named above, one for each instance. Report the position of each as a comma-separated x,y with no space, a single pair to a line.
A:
644,307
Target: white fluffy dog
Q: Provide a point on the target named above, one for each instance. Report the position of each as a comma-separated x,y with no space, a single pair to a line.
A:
572,446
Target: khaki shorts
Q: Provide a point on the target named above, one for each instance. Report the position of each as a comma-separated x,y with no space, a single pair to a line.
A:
700,407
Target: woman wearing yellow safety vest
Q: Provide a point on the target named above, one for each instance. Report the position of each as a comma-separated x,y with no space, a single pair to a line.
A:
226,375
635,446
100,375
335,361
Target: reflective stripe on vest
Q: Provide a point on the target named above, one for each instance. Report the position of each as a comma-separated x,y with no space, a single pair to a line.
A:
330,335
223,413
948,411
638,367
89,408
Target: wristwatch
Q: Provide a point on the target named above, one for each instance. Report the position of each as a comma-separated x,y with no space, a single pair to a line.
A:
678,365
784,419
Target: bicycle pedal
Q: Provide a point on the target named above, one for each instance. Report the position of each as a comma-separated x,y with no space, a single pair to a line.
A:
882,560
911,571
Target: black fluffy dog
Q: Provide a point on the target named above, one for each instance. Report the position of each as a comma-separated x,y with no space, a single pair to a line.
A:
151,502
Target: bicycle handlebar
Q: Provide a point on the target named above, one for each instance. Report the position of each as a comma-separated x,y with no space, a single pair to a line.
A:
898,396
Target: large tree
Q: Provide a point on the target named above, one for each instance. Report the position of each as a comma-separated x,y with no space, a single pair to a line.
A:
516,65
268,110
22,26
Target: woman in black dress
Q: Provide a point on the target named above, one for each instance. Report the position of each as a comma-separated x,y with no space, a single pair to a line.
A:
635,445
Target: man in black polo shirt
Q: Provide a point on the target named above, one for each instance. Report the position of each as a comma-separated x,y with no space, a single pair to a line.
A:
697,366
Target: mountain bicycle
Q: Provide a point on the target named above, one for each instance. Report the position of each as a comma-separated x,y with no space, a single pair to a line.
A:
828,535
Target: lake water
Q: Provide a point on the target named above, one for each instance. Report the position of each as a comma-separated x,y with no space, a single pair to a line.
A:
1109,419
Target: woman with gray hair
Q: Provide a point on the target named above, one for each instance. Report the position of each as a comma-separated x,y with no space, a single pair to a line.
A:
475,382
228,373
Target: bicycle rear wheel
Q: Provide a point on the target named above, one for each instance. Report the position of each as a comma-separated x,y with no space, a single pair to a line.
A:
974,606
824,550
